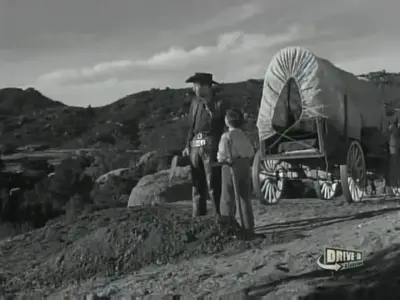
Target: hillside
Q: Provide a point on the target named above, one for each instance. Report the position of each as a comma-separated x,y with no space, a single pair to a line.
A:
147,120
15,101
139,120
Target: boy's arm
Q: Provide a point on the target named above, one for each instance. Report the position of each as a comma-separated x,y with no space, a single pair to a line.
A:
223,154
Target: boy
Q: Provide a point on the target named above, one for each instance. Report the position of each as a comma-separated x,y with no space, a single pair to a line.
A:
237,152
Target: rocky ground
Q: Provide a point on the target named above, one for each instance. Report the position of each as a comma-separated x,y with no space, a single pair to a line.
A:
159,250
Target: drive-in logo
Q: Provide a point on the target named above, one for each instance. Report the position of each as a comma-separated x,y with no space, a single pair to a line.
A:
336,259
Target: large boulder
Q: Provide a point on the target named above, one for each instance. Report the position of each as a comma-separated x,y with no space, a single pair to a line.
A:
157,188
113,188
155,161
105,178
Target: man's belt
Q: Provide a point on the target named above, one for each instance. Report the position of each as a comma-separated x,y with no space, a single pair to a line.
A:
200,140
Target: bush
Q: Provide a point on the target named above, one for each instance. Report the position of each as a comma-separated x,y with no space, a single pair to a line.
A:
50,197
70,190
39,165
130,130
70,179
106,138
74,207
106,161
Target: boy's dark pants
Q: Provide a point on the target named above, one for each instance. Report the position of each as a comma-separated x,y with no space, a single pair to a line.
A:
206,180
241,167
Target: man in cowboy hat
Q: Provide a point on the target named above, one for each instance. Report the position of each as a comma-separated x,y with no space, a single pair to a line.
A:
207,124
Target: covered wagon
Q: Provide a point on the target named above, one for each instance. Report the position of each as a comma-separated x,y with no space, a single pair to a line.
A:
319,122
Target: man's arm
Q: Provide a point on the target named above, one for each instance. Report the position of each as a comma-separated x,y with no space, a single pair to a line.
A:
191,122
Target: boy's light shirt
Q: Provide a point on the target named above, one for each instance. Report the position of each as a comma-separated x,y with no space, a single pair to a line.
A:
233,144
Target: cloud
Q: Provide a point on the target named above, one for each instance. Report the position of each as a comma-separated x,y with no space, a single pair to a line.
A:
229,17
230,48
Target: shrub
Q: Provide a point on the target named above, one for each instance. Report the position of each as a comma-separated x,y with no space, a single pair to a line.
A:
130,130
50,197
106,161
106,138
70,179
74,207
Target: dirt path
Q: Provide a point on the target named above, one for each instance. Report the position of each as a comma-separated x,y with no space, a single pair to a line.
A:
282,267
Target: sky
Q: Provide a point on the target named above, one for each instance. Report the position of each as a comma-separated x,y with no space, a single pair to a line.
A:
93,52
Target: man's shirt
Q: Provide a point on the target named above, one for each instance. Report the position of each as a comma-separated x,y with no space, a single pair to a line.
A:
206,119
234,144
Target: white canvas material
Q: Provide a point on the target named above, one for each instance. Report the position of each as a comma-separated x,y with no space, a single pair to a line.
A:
322,88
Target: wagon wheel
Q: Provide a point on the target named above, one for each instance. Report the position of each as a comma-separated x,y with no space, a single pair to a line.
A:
353,175
326,189
268,180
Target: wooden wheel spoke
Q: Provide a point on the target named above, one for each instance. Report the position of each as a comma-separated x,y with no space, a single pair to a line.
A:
326,190
268,181
353,174
264,186
273,192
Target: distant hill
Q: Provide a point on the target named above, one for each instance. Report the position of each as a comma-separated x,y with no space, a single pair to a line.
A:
383,77
16,101
149,120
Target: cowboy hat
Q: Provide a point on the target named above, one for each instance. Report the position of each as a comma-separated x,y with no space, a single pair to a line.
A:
203,78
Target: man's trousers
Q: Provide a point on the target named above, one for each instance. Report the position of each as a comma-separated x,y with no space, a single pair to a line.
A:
206,180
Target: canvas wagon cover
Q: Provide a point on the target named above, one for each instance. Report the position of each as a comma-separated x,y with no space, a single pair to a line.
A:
322,87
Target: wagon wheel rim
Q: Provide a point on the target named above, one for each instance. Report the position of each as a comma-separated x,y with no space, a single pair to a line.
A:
357,177
328,189
271,179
